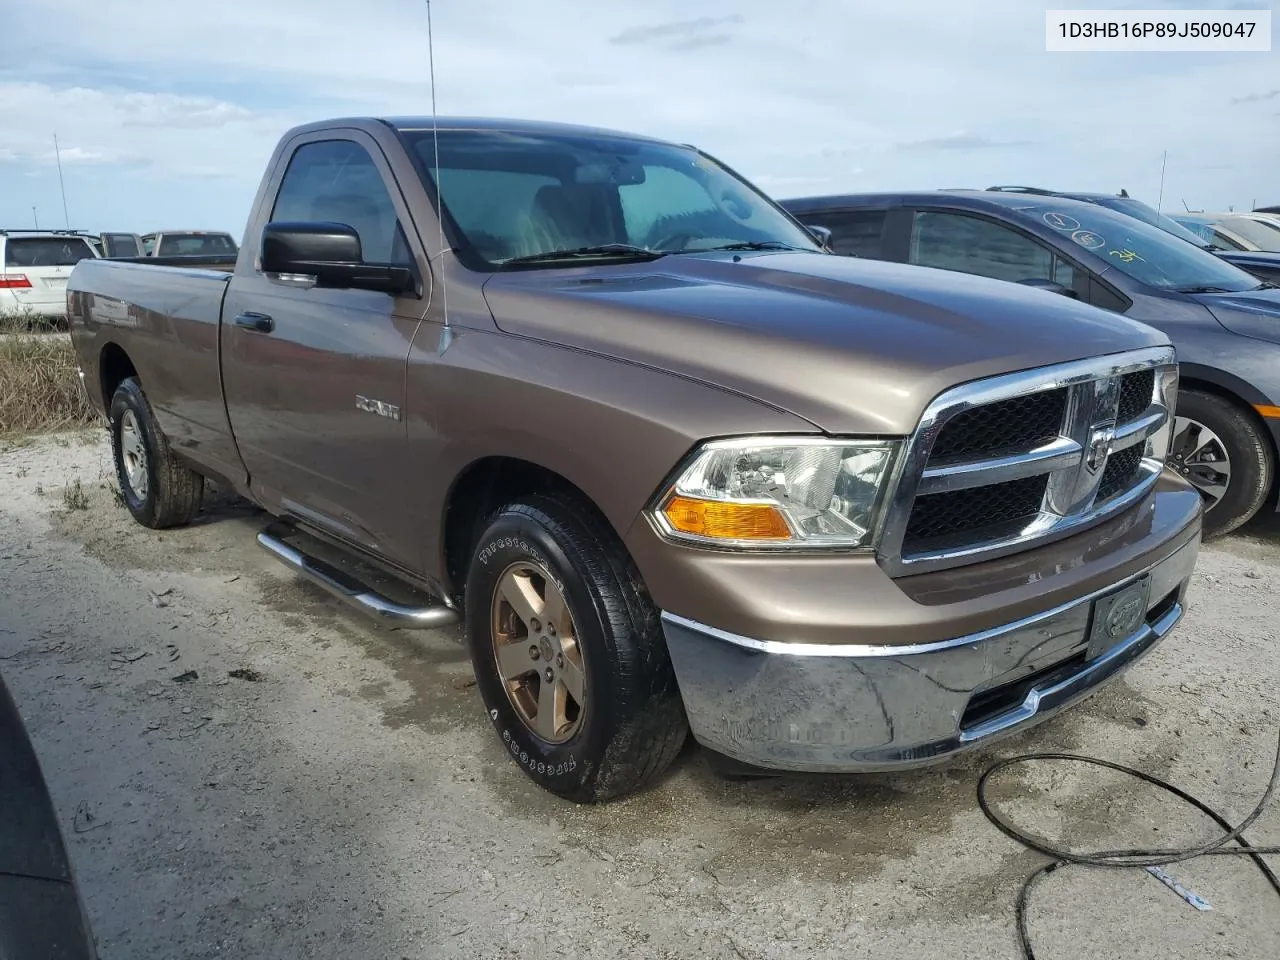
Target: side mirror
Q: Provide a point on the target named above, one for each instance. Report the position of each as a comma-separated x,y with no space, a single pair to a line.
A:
1049,286
821,234
331,253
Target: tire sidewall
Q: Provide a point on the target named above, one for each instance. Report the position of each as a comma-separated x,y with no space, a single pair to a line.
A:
563,768
129,397
1250,460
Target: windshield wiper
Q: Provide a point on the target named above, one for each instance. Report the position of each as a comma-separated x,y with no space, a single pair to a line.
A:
1202,289
743,245
621,250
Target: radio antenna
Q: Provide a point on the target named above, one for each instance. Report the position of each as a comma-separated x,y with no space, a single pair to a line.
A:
1164,162
57,154
435,173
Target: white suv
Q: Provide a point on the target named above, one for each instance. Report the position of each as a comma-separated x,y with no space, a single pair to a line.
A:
34,266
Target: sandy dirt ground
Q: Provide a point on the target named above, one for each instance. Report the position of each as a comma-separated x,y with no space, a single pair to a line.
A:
245,769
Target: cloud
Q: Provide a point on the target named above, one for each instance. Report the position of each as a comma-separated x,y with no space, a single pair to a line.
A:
108,127
680,35
701,42
1255,97
774,181
962,141
178,114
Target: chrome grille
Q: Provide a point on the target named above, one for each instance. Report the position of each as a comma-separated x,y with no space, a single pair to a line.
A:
936,516
1135,395
1004,425
1120,473
1000,465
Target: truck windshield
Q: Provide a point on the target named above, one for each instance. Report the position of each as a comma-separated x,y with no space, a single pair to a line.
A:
195,244
1144,252
45,251
523,196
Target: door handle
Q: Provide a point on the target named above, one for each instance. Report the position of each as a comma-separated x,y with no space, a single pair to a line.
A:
256,321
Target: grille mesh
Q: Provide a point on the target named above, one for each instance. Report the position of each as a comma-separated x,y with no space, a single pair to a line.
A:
938,515
1120,472
952,527
1014,424
1135,394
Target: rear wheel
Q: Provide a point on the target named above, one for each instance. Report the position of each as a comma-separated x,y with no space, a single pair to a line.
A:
159,490
569,653
1219,448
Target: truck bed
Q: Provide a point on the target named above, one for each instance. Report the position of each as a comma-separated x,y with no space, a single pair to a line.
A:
165,320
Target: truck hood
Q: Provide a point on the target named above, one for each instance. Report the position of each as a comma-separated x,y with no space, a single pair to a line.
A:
1254,313
852,346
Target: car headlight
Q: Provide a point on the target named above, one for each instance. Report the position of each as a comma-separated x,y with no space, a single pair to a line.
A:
780,492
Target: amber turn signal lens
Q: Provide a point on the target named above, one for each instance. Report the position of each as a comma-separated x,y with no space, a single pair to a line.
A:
719,520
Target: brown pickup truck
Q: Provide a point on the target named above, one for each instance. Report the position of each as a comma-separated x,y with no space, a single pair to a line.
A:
674,465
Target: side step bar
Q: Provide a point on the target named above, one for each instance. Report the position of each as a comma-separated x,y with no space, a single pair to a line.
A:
384,611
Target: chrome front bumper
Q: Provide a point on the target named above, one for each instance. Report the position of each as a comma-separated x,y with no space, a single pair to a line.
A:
851,708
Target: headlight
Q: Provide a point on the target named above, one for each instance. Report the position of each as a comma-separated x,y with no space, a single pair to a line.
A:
792,492
1166,393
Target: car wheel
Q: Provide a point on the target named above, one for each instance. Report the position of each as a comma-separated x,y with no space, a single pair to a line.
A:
569,654
158,490
1221,450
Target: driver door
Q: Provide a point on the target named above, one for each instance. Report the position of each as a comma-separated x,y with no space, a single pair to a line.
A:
314,377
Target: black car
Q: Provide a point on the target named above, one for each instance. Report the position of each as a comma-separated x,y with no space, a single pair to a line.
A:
41,913
1224,322
1262,264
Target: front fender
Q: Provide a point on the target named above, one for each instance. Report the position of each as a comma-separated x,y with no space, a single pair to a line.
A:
614,430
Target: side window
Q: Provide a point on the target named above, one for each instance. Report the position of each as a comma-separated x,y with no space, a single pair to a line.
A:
1100,295
968,244
1222,240
337,181
853,232
1063,273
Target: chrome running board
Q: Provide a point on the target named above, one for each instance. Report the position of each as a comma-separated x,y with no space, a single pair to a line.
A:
381,609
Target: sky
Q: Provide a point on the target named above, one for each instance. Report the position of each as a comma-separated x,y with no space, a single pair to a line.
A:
166,113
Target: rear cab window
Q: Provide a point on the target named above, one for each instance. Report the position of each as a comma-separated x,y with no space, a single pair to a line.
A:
195,244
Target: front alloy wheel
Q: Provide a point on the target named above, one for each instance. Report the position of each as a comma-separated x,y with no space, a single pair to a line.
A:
537,651
1219,447
1202,458
568,651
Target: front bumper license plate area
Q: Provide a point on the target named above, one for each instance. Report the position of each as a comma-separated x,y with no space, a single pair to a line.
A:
1118,616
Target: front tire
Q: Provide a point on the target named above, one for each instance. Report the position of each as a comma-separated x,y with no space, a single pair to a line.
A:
1221,450
158,490
569,654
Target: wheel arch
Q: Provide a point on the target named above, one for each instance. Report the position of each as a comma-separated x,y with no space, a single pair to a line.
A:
483,486
114,367
1240,394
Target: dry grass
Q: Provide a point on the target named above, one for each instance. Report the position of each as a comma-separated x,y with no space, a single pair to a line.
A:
39,389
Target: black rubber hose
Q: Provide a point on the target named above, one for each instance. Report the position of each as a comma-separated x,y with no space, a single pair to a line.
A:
1127,858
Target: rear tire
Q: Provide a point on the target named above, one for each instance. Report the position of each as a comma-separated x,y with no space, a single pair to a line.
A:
158,489
1209,428
609,719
